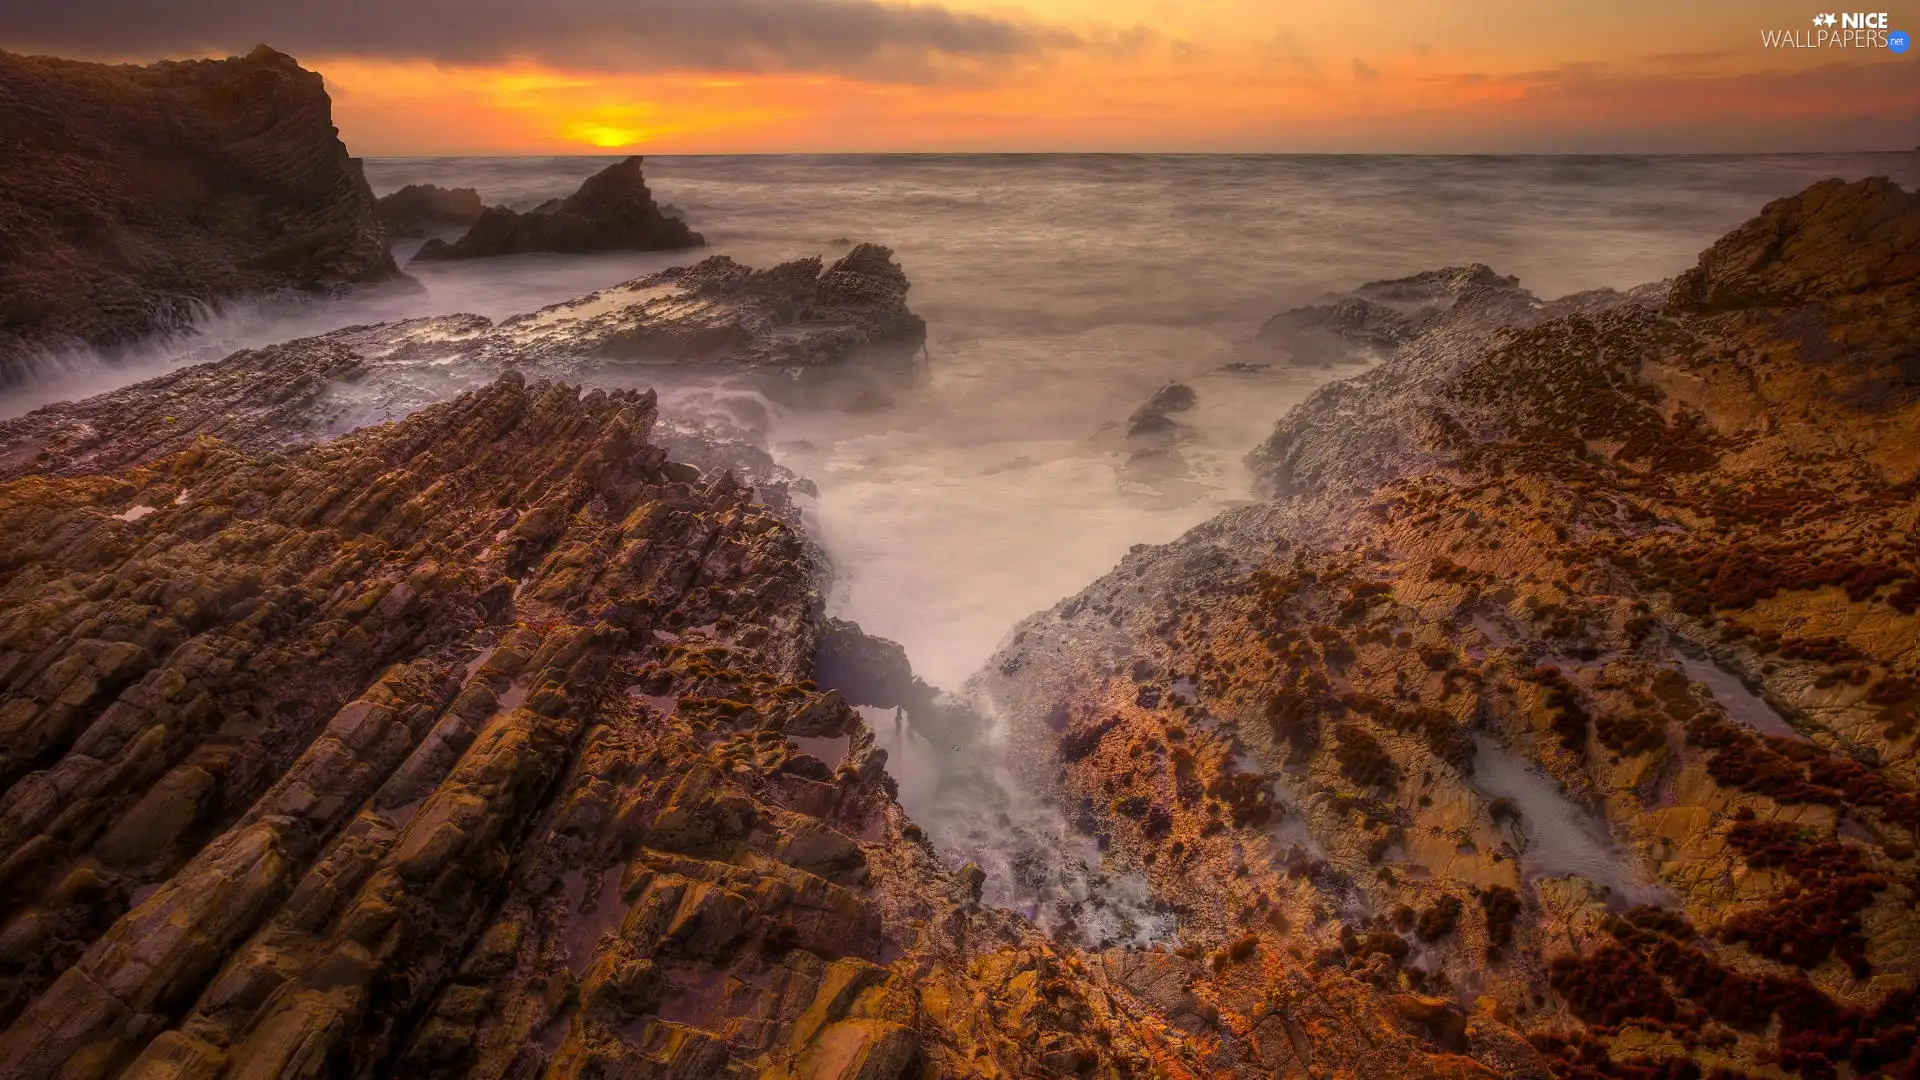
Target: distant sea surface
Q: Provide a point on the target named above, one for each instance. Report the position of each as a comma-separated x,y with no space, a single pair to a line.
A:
1064,242
1060,290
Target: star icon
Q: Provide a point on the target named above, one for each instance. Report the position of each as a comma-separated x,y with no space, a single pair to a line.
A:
1819,20
1830,19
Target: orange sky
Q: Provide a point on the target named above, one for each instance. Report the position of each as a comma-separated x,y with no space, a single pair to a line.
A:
1177,75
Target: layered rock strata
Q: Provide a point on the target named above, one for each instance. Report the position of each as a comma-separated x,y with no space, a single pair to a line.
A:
716,315
485,744
134,196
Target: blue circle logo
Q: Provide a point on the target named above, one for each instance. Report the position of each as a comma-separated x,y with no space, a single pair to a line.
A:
1897,41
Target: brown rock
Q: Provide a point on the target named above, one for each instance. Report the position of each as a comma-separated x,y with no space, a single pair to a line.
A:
1594,569
1831,240
133,195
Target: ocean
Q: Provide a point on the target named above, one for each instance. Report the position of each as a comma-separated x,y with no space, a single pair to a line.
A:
1060,291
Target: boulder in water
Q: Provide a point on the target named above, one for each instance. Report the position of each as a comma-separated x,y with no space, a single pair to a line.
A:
612,211
417,209
1169,399
1154,417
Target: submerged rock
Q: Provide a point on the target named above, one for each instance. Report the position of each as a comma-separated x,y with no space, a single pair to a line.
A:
1156,413
612,211
1427,715
131,196
1381,316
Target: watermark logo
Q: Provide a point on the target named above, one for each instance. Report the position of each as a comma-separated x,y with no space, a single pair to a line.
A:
1840,30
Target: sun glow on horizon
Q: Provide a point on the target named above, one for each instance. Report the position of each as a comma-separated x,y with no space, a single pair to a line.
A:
1228,75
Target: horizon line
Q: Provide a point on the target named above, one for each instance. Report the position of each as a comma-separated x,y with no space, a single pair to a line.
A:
1150,153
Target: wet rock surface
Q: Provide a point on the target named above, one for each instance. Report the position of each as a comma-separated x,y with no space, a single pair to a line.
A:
715,312
1155,415
464,746
714,316
132,195
1356,432
254,400
1434,718
612,211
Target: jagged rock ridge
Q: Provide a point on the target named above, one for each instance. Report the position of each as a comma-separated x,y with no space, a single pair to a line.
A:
132,194
467,747
716,314
418,208
612,211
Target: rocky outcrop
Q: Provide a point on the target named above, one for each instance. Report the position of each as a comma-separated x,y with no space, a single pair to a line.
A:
1833,239
715,312
133,196
1155,415
1380,316
612,211
1352,434
1568,686
714,315
418,209
255,400
1570,730
472,746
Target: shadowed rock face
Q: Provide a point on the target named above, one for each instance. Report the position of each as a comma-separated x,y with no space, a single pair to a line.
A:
1430,717
460,747
418,208
612,211
132,193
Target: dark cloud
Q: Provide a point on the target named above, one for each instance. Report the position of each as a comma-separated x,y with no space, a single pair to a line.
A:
1363,70
854,36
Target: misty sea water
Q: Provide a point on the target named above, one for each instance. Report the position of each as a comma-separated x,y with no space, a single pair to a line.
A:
1059,291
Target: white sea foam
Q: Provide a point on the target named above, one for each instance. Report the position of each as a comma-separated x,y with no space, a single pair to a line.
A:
1561,838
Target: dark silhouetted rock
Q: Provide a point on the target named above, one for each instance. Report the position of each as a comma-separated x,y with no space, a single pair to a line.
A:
612,211
1169,399
130,195
417,209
